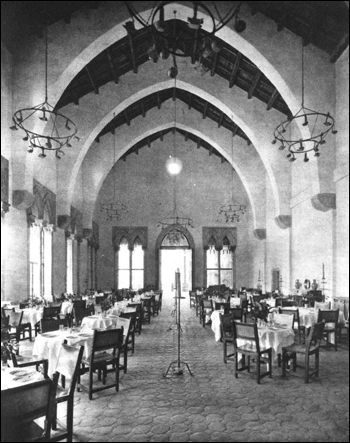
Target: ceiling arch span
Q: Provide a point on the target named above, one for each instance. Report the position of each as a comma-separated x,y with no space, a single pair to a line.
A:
282,77
89,210
253,136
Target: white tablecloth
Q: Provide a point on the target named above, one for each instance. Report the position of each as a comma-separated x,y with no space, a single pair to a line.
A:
308,316
273,337
98,322
48,345
32,315
215,324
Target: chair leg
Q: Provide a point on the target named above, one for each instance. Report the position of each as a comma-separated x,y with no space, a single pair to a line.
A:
91,373
258,369
317,362
307,362
69,422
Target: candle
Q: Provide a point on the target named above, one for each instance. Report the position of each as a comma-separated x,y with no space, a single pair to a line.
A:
323,271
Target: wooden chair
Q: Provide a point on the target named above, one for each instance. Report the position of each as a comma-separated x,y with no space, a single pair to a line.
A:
124,323
322,305
47,325
238,314
330,318
250,348
49,313
110,339
79,313
192,295
79,304
159,300
206,309
311,347
5,322
198,304
18,329
19,361
21,405
68,366
284,320
296,326
146,310
130,343
226,327
6,311
138,320
220,304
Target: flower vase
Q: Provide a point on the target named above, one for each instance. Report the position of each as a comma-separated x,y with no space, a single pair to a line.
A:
314,285
104,314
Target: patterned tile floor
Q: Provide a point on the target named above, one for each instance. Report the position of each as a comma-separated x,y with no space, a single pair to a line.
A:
212,405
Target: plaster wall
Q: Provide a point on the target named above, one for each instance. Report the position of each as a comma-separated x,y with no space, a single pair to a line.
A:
245,158
144,185
312,244
277,248
6,101
341,178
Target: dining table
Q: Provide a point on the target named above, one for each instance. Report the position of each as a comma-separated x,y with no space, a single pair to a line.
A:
47,345
99,322
308,316
276,337
32,315
13,377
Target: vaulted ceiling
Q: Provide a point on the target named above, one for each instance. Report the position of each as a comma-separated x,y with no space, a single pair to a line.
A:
325,24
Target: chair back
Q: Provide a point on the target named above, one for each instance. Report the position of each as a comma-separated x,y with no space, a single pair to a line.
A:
226,325
330,317
285,303
6,311
79,304
247,332
224,305
25,403
47,325
315,336
16,319
237,313
5,322
54,304
80,313
68,364
125,324
207,304
108,339
295,313
52,312
284,320
322,305
131,316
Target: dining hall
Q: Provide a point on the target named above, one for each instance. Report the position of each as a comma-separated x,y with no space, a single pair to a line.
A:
175,221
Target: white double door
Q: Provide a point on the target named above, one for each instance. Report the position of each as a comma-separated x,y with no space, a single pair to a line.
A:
171,260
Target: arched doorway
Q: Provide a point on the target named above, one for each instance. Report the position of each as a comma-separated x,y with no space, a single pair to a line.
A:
175,251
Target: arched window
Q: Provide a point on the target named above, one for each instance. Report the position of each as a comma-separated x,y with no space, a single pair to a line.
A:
40,255
123,264
137,265
219,264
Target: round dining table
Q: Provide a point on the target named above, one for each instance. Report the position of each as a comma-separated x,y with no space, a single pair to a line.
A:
32,315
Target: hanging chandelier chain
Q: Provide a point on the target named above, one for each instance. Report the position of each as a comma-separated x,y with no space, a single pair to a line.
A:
302,75
46,63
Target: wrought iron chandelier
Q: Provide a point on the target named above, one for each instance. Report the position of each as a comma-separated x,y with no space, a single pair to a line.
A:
111,207
175,218
232,210
320,125
176,37
57,131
